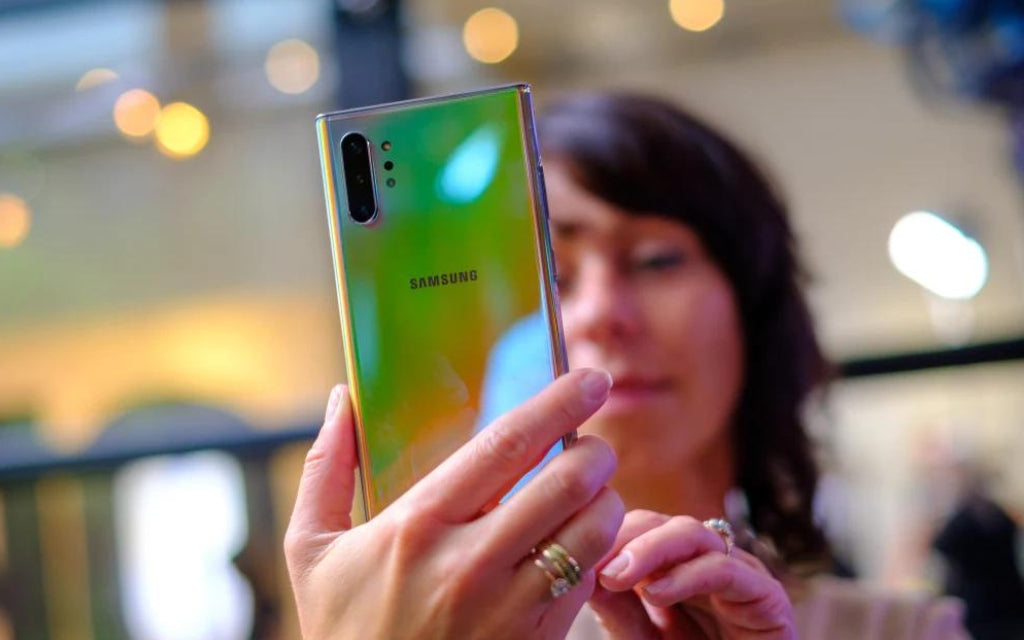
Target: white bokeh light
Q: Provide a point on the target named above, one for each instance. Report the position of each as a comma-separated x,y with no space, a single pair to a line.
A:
180,521
938,256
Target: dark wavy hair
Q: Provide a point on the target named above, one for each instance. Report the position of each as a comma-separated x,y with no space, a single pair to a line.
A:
647,156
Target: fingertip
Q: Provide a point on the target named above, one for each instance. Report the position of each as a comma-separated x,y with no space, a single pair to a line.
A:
336,432
611,585
334,402
331,437
660,592
595,384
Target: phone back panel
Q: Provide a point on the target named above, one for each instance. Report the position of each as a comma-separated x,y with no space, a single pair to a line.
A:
447,298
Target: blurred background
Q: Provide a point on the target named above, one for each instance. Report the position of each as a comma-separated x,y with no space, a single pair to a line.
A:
168,324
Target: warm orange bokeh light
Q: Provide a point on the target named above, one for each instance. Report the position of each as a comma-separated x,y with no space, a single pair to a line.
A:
15,220
490,35
696,15
292,66
182,130
136,113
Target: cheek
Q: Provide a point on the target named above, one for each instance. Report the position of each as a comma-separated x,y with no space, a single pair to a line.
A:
571,326
709,346
583,354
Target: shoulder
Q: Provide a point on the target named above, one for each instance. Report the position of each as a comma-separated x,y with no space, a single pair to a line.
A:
830,608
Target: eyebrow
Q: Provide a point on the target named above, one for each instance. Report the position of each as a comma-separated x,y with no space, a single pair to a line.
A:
568,229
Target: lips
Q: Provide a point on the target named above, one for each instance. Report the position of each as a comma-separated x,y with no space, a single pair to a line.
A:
633,382
635,392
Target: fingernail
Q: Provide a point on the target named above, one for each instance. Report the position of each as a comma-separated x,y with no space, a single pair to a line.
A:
658,586
596,385
332,402
615,568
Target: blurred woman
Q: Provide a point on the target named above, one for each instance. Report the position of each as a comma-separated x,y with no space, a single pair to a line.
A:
678,275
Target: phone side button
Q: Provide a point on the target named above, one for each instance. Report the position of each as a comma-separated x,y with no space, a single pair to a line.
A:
542,190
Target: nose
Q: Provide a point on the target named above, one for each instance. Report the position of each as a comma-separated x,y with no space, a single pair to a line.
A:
601,307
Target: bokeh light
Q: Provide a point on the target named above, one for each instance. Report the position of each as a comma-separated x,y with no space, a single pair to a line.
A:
938,256
292,66
15,220
182,130
696,15
136,112
490,35
95,77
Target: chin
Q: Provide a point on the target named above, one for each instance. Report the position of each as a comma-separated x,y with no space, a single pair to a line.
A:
621,426
645,440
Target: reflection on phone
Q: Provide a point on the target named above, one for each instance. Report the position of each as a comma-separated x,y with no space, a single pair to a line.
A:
518,368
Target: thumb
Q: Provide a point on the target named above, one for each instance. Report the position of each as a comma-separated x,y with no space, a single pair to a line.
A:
623,615
326,490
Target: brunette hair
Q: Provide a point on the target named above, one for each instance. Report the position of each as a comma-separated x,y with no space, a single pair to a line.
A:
647,156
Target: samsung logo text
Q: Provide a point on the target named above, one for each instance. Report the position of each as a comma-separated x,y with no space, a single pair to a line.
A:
443,279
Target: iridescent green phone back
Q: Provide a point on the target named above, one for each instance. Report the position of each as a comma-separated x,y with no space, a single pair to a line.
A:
447,298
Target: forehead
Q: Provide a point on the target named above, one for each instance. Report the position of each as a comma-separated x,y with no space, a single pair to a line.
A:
578,215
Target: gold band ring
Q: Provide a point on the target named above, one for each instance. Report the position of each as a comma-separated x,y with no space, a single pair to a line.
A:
724,529
561,569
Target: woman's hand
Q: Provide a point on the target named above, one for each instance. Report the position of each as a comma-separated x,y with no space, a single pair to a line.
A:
442,561
670,577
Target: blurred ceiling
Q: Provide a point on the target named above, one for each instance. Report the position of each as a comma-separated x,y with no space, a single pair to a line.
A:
833,115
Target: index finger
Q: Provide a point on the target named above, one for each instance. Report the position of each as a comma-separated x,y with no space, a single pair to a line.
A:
676,540
484,468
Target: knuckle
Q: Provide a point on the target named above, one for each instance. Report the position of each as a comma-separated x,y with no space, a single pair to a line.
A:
604,455
642,547
686,525
593,543
504,446
406,532
315,460
461,571
707,585
718,577
778,609
297,554
293,543
616,512
566,415
403,520
570,487
649,519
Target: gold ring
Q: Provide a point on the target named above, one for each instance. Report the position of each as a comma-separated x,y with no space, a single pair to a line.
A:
561,569
724,529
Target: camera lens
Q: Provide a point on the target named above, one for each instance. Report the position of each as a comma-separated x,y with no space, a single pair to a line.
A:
362,198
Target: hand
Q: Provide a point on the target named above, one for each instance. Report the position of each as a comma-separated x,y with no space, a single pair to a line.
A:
442,561
670,577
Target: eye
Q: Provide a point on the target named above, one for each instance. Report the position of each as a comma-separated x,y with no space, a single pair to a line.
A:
564,281
659,260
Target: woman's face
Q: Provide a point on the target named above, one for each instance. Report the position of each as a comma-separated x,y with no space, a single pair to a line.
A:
641,298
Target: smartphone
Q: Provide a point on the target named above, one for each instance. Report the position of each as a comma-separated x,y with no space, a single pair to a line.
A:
444,272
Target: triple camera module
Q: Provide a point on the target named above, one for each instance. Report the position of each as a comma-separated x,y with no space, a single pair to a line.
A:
362,197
